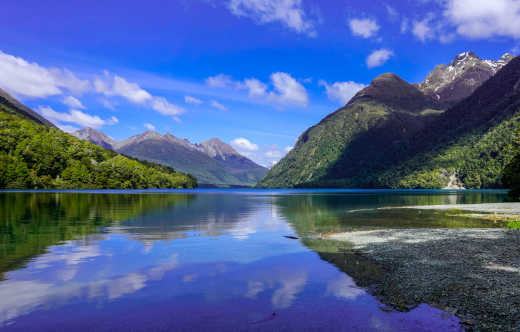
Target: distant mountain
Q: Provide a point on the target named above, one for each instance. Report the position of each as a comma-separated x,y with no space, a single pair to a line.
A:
212,162
393,135
449,84
14,106
96,137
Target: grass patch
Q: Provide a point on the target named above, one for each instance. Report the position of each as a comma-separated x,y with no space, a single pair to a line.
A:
513,224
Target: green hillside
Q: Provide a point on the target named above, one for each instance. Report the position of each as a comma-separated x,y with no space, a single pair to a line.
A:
33,155
351,139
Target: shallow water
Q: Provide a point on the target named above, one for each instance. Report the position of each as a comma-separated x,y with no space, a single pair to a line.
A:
203,259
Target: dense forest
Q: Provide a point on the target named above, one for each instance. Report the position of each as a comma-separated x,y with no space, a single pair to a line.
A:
35,156
511,178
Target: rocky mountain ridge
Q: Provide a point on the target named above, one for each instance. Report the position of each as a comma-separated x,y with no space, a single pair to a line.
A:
212,162
96,137
449,84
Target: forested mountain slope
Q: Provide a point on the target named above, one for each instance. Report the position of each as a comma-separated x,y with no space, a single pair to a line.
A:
406,141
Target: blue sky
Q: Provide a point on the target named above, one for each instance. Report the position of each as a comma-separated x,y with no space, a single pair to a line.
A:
255,73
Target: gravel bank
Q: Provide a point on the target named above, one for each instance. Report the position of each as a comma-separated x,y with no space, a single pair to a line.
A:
503,208
473,273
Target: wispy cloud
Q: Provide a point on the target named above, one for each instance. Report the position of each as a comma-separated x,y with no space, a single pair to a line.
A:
288,12
192,100
29,79
365,28
243,145
76,117
73,102
220,81
149,126
342,91
255,87
378,57
423,29
112,85
484,19
217,105
288,90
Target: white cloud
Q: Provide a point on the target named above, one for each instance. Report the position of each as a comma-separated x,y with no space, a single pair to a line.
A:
288,90
484,18
342,91
77,117
243,145
220,81
378,57
67,128
288,12
32,80
114,85
162,106
217,105
265,155
73,102
365,28
255,87
65,78
423,30
149,126
192,100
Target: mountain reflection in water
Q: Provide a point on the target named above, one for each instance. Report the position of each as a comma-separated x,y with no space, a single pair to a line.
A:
206,260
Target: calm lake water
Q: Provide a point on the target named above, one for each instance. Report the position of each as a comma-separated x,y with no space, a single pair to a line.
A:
204,259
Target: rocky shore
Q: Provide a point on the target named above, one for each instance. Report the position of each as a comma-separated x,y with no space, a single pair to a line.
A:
472,273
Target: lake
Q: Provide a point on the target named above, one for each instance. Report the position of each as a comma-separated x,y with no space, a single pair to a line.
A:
206,259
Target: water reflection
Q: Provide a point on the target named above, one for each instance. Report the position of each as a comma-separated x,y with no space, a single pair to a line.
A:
204,261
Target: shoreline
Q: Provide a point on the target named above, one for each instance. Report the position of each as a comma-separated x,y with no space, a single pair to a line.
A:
472,273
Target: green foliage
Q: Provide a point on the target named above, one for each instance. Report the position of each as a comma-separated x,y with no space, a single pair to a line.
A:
37,156
513,225
511,178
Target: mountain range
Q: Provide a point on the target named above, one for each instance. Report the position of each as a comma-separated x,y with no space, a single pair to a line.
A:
454,129
212,162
